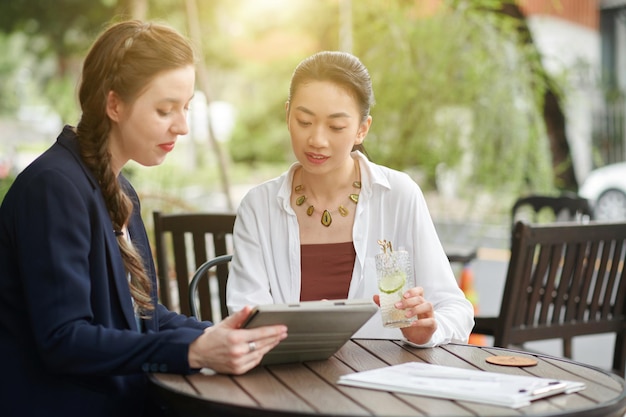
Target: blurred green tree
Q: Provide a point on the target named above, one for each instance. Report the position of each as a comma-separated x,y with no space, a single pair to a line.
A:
456,93
458,90
61,32
260,134
549,100
10,61
63,28
56,33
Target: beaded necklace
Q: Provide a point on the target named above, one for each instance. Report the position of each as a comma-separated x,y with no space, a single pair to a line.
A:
327,219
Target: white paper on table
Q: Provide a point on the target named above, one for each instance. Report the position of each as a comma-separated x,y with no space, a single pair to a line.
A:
460,384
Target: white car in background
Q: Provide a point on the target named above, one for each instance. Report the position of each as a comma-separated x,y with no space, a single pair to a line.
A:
605,188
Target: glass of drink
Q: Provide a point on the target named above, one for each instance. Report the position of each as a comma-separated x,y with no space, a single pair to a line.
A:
393,270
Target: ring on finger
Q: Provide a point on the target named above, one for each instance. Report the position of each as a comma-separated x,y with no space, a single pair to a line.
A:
251,347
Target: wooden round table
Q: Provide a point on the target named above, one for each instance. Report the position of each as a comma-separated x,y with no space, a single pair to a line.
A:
310,389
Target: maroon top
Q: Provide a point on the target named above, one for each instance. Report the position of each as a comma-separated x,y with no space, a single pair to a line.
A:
326,270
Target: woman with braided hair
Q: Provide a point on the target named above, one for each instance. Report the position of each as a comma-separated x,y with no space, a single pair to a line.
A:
80,324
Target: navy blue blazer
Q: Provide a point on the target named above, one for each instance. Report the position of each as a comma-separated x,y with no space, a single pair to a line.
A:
69,342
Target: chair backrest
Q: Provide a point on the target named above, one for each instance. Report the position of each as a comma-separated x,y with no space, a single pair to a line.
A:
549,209
565,280
183,242
203,307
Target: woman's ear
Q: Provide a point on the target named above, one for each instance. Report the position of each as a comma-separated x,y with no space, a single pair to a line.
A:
114,106
287,113
363,129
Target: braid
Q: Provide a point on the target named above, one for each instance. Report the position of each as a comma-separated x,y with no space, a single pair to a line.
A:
124,60
120,208
140,285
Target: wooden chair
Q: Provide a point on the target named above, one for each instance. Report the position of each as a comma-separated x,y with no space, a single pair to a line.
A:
563,280
202,307
183,242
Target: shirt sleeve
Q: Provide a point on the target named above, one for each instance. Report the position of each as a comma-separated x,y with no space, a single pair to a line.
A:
248,283
453,312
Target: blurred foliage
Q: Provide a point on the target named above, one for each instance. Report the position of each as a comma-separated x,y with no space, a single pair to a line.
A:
67,25
259,138
454,89
5,184
260,134
45,43
61,91
12,45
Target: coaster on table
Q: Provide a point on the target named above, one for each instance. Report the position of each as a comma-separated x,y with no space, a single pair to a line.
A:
511,361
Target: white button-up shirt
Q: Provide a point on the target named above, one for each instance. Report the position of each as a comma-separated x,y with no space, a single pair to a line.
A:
266,262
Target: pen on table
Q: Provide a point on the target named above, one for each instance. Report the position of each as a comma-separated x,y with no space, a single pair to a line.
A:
552,386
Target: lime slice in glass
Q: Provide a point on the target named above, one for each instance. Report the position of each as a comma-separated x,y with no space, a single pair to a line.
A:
392,282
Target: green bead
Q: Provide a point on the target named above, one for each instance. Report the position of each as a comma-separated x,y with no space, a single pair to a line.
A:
326,218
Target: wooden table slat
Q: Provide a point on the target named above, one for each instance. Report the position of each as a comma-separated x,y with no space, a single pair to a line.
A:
221,386
597,376
178,383
270,393
441,357
319,394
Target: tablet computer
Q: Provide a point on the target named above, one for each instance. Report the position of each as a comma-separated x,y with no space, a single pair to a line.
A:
316,329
